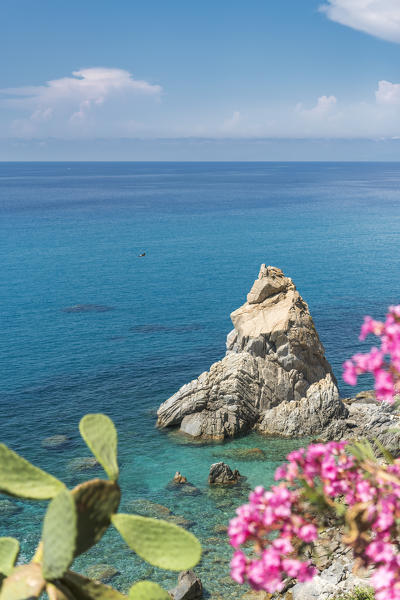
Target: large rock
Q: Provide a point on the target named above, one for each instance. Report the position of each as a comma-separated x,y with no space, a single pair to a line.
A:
274,362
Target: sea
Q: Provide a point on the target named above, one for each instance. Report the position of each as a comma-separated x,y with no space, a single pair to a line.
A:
89,325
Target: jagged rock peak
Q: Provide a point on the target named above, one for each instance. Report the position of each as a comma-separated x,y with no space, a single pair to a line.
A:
274,357
271,281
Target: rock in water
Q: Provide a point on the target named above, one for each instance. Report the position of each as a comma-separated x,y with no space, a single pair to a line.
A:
220,473
189,587
274,377
179,478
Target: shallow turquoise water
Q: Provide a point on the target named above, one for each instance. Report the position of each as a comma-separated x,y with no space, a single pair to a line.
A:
70,234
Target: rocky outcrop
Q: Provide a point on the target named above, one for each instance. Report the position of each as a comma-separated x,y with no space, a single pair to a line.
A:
222,474
274,362
314,412
367,419
189,587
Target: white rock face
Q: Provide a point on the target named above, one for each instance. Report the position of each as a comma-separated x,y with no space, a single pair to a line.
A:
274,377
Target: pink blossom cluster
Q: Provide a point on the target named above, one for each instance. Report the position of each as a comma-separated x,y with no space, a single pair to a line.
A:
383,363
278,521
268,512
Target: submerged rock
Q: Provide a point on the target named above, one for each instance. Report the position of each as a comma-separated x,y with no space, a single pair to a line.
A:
102,572
274,368
243,454
181,484
8,508
80,308
180,521
222,474
83,463
54,442
147,508
189,587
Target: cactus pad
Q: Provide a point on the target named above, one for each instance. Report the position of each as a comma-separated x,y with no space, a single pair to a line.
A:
147,590
82,588
100,435
9,548
96,501
19,478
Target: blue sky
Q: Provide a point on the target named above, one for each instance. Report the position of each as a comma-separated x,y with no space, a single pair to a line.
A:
190,80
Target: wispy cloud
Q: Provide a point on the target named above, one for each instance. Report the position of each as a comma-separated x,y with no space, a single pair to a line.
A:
111,103
380,18
62,106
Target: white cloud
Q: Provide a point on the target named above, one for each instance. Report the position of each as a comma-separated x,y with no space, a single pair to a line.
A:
60,106
324,106
110,103
388,93
380,18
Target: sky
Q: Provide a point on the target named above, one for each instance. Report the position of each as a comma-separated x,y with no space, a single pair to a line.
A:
183,80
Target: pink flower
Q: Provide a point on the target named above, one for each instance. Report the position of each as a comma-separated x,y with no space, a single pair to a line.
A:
283,545
380,552
308,533
292,566
384,386
370,326
349,373
238,566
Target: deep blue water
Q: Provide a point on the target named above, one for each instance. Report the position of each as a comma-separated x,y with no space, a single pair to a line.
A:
71,234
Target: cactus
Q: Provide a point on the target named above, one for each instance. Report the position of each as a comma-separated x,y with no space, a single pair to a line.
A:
76,520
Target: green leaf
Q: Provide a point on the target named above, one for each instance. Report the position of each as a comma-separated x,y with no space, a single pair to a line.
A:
9,548
387,455
59,535
24,583
100,435
340,508
147,590
19,478
362,450
83,588
162,544
315,495
95,501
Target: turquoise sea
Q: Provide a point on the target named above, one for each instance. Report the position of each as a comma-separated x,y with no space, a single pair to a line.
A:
71,233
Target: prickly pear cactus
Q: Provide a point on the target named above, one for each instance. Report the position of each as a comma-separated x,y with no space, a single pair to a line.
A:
76,520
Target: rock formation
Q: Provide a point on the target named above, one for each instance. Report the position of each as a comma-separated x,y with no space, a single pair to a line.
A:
189,587
222,474
274,377
367,419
